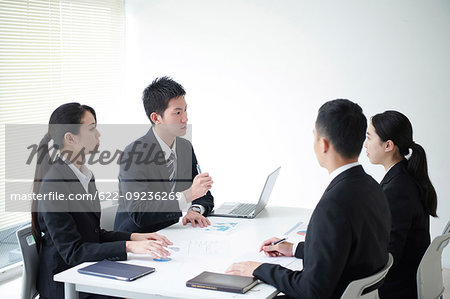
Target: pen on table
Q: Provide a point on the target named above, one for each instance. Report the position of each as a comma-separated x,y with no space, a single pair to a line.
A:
198,169
278,242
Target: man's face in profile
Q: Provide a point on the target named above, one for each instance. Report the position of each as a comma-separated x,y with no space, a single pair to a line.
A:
174,119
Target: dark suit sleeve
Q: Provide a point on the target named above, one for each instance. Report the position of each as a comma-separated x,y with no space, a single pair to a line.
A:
207,200
400,205
62,231
61,228
326,250
111,236
299,251
136,178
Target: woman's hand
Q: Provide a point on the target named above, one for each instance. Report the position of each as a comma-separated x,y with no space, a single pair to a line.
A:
150,236
151,247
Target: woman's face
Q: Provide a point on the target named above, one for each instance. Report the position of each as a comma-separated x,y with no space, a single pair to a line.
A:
88,137
375,147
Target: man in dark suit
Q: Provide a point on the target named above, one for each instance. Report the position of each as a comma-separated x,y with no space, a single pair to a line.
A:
159,174
348,232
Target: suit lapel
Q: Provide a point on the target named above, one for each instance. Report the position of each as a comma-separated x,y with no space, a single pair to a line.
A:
162,169
184,161
161,172
393,172
92,188
69,176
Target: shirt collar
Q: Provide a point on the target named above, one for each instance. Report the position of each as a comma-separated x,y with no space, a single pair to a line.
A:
165,148
341,169
84,176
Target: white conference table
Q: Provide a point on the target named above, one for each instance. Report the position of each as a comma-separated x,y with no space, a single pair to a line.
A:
199,250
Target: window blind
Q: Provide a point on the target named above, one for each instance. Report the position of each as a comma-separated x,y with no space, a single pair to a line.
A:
53,52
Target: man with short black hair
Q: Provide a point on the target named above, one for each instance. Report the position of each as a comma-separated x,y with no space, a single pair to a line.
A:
159,173
348,233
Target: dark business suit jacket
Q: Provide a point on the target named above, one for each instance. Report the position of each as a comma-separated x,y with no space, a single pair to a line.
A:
347,239
143,173
72,233
410,232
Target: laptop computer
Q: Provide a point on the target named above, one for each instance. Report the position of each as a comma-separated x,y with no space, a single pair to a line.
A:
115,270
246,210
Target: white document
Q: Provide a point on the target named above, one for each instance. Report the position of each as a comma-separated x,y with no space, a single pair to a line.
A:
203,248
262,258
220,227
298,229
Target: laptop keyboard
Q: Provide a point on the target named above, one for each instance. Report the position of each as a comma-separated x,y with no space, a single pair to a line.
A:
243,209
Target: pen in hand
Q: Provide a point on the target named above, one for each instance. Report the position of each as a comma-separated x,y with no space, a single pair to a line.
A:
278,242
198,169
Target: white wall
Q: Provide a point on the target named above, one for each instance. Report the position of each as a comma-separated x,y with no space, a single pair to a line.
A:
256,72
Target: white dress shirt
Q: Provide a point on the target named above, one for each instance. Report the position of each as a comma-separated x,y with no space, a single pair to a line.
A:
341,169
84,176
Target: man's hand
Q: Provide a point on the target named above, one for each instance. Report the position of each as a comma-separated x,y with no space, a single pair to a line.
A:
281,249
201,184
196,218
151,236
243,268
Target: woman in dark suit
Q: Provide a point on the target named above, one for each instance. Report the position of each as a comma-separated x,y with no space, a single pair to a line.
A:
67,231
412,198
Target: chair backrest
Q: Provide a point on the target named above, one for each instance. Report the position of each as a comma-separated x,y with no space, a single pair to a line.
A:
108,216
429,274
30,262
447,228
357,287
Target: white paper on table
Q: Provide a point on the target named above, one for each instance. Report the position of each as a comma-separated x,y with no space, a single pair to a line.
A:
262,258
298,229
204,248
220,227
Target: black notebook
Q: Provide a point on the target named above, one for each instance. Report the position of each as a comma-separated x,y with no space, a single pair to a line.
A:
222,282
115,270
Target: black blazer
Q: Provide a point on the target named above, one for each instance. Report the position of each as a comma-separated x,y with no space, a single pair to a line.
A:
410,232
143,174
347,239
72,233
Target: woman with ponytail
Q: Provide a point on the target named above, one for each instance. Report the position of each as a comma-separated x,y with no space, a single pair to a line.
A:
67,232
412,198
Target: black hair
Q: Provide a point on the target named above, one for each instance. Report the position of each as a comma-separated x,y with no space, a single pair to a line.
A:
343,123
66,118
157,95
395,126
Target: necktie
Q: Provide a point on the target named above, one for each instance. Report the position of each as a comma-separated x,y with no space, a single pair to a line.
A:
172,167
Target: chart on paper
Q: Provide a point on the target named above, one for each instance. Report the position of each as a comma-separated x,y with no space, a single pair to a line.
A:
298,229
221,227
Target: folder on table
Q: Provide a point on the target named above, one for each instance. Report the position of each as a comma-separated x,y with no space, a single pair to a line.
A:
116,270
222,282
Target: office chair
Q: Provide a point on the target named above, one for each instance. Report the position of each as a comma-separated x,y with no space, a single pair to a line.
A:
447,228
108,216
430,283
356,287
30,262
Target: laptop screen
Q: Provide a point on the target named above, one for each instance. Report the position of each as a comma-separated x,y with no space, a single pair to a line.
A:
267,190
